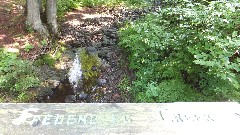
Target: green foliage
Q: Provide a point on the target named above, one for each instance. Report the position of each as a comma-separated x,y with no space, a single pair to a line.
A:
50,58
47,59
174,90
16,75
92,3
64,6
188,45
28,47
29,29
44,42
124,84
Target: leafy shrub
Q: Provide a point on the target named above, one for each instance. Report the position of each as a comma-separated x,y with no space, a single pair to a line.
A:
66,5
16,75
28,47
174,90
92,3
191,42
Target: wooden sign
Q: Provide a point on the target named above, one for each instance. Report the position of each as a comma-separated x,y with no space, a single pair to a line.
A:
125,119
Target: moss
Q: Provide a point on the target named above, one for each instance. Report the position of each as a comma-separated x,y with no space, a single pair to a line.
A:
88,61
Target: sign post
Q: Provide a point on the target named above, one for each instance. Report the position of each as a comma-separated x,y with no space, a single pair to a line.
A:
119,118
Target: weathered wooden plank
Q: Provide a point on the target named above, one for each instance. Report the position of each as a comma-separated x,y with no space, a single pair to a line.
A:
120,118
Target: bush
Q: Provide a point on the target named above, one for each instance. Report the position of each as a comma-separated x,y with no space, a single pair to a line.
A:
16,75
64,6
192,43
91,3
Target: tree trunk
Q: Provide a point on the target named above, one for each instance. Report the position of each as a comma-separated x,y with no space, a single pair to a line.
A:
51,11
40,6
33,16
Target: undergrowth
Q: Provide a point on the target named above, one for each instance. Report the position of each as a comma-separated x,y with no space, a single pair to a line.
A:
63,6
16,75
186,52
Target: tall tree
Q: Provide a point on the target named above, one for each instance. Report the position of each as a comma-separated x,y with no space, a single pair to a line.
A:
33,16
51,11
34,20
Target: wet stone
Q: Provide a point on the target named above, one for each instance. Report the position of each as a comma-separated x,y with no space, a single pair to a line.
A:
83,96
97,44
113,35
91,50
70,99
101,82
104,54
103,67
94,68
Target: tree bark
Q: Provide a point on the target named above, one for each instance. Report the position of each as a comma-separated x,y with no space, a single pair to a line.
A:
40,6
51,12
33,16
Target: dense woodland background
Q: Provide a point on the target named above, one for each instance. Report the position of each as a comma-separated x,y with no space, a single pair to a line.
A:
187,50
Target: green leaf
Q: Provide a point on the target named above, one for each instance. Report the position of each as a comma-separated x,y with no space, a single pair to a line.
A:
234,34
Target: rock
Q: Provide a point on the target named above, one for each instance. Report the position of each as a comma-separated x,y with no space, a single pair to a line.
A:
94,68
103,67
91,50
43,93
113,63
70,99
101,82
114,40
62,75
112,35
53,83
111,30
105,41
104,54
97,44
111,42
118,24
83,96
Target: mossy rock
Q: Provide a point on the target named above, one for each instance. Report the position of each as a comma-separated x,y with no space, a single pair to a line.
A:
87,62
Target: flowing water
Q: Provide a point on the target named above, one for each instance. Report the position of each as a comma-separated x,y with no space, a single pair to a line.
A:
80,84
75,75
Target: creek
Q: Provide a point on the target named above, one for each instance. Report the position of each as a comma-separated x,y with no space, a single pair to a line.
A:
97,65
82,82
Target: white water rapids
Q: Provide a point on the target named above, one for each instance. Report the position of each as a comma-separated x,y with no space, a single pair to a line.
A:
75,73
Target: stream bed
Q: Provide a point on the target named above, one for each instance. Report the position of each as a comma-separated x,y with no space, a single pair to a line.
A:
92,34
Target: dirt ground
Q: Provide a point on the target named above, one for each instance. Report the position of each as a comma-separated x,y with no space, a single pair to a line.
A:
13,33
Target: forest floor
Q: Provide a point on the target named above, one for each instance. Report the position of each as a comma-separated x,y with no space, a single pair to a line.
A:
11,23
13,33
